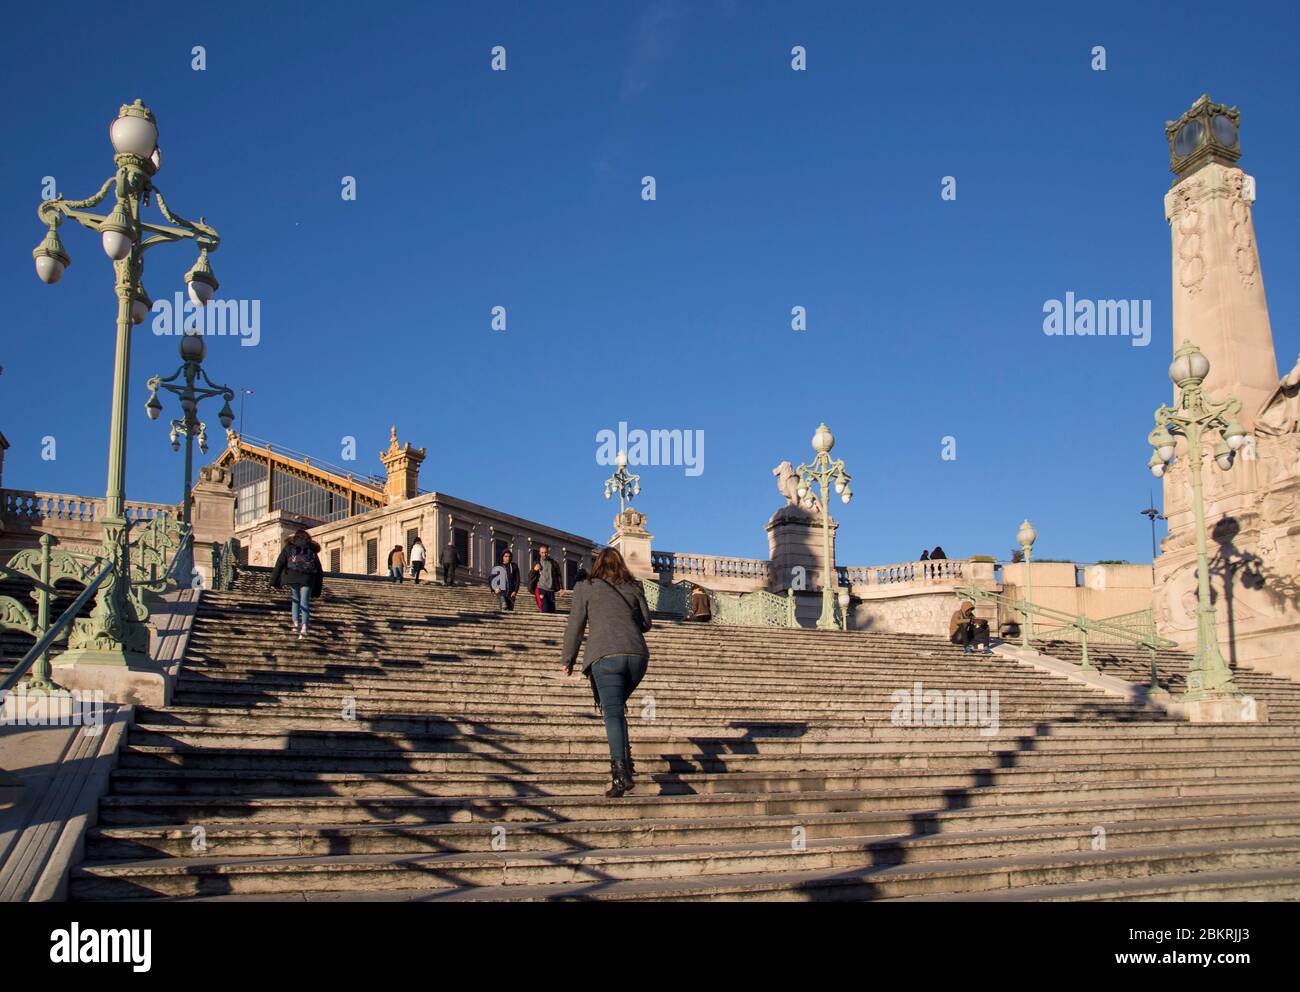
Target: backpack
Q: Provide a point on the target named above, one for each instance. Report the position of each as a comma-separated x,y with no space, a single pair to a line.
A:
301,559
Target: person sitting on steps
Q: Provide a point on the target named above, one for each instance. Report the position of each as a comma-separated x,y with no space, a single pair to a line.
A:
965,628
701,608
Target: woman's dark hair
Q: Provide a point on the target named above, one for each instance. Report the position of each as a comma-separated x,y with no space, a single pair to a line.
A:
299,536
611,567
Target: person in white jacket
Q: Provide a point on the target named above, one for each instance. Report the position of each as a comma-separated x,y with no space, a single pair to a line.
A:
417,560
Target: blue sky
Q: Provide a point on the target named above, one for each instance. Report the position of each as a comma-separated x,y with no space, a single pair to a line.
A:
775,189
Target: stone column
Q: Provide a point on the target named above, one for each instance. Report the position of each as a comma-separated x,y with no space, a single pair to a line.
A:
633,542
794,540
212,516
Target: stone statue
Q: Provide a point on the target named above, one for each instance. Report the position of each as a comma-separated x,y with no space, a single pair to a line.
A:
787,483
1281,413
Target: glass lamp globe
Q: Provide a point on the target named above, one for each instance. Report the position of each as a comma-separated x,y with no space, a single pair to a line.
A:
134,132
621,460
1189,365
193,347
1026,535
1156,464
823,440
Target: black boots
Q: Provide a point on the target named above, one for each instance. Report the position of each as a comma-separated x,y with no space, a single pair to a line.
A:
631,770
622,777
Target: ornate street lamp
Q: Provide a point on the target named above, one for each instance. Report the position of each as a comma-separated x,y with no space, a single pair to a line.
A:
1196,418
824,472
115,633
1025,537
622,482
193,350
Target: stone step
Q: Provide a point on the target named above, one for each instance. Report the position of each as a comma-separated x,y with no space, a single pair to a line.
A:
292,840
595,762
511,782
130,810
881,868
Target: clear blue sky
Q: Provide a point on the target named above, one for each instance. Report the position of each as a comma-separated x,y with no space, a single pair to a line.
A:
776,189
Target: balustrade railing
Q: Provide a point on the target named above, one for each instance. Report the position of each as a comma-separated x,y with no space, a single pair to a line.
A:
30,506
944,570
706,566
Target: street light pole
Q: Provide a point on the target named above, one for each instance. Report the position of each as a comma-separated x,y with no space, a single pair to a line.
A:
115,634
823,472
1195,418
193,351
1152,514
1025,537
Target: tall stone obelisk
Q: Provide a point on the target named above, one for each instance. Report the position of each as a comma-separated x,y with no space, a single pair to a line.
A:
1219,305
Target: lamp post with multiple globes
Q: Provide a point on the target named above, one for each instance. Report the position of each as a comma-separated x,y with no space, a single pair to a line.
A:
115,634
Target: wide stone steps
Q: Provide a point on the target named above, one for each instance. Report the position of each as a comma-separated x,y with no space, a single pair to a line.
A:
236,839
125,810
420,745
890,867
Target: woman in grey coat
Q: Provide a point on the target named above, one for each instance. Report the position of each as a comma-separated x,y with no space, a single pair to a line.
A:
612,608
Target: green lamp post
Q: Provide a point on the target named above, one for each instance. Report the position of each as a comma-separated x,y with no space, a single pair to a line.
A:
1025,537
824,472
115,634
193,350
1196,418
622,482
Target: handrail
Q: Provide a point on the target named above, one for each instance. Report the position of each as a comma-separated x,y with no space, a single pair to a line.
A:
1084,625
746,609
55,630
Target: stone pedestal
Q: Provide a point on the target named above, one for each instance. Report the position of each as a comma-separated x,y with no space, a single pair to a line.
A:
138,684
1238,709
632,541
212,516
794,541
1251,511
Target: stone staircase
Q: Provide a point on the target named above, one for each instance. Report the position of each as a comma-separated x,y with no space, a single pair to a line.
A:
418,745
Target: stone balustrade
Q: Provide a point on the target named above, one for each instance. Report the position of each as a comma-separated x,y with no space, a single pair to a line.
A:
709,566
945,571
24,505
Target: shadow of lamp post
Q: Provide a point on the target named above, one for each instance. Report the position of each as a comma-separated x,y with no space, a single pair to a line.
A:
823,473
115,634
1196,418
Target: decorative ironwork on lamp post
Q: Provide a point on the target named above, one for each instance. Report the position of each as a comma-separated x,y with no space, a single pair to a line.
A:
1195,417
623,482
824,472
182,383
115,632
1025,537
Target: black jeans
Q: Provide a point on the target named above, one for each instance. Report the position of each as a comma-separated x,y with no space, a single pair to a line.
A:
416,568
507,600
972,632
616,677
545,600
449,575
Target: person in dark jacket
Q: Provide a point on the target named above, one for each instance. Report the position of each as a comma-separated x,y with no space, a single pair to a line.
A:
965,628
611,607
937,554
299,568
701,607
505,580
925,556
546,579
448,559
396,564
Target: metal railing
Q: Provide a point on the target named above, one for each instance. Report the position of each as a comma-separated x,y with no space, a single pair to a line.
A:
745,609
225,564
45,566
1136,629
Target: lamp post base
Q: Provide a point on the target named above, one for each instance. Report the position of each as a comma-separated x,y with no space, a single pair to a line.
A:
827,620
121,677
